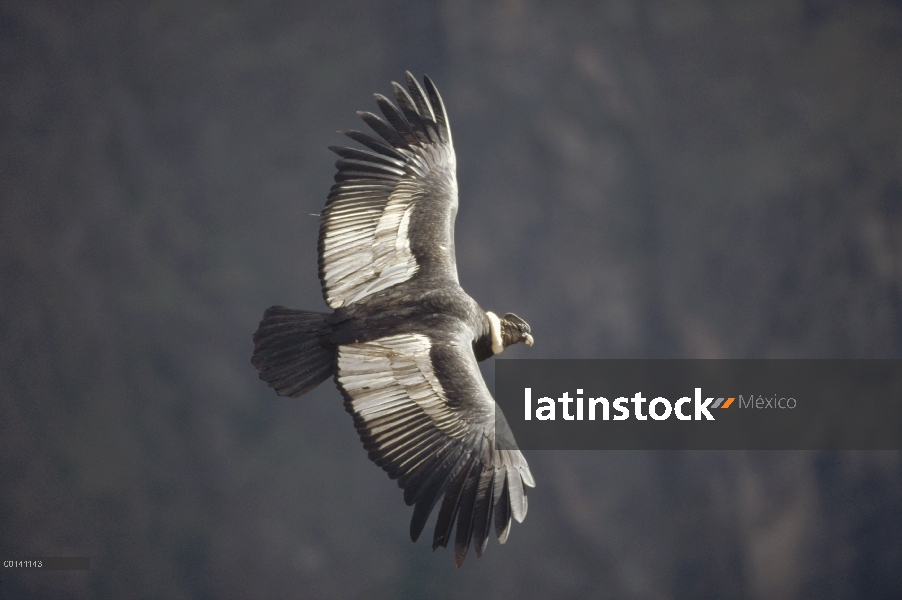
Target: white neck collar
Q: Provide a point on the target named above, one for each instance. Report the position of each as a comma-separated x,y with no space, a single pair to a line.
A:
495,326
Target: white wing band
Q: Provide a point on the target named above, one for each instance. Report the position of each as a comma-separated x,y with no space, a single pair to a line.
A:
387,375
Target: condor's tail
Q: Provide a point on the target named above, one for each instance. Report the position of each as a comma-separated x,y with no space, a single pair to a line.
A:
291,350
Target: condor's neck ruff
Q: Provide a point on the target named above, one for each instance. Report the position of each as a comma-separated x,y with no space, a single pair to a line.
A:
495,326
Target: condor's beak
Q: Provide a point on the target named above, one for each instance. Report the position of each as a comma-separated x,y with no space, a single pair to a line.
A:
528,340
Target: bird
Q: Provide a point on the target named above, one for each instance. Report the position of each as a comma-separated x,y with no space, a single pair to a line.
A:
403,339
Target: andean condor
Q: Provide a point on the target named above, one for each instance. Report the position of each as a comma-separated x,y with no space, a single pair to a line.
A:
404,338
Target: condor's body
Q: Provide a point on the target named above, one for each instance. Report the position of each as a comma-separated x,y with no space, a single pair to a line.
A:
404,339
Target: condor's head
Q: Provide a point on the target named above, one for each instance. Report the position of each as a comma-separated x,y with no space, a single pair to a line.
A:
507,330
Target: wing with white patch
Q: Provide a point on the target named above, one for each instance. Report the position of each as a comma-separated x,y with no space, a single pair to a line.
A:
390,215
426,417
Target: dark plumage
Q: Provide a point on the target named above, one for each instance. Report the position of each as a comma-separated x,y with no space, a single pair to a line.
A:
404,339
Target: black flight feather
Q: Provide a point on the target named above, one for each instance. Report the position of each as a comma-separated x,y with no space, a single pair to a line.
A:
438,107
414,480
397,120
518,496
482,512
423,106
386,131
374,144
405,102
502,508
367,156
450,505
353,164
433,488
464,532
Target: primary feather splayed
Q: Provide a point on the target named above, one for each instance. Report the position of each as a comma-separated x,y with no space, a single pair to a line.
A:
404,338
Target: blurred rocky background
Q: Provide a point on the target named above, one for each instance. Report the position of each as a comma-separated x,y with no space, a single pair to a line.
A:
638,179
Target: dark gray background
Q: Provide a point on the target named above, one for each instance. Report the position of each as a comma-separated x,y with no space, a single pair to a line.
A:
638,179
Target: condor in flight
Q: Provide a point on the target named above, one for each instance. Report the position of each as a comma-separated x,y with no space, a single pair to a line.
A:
404,338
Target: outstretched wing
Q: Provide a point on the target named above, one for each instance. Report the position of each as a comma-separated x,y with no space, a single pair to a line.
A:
390,215
426,417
